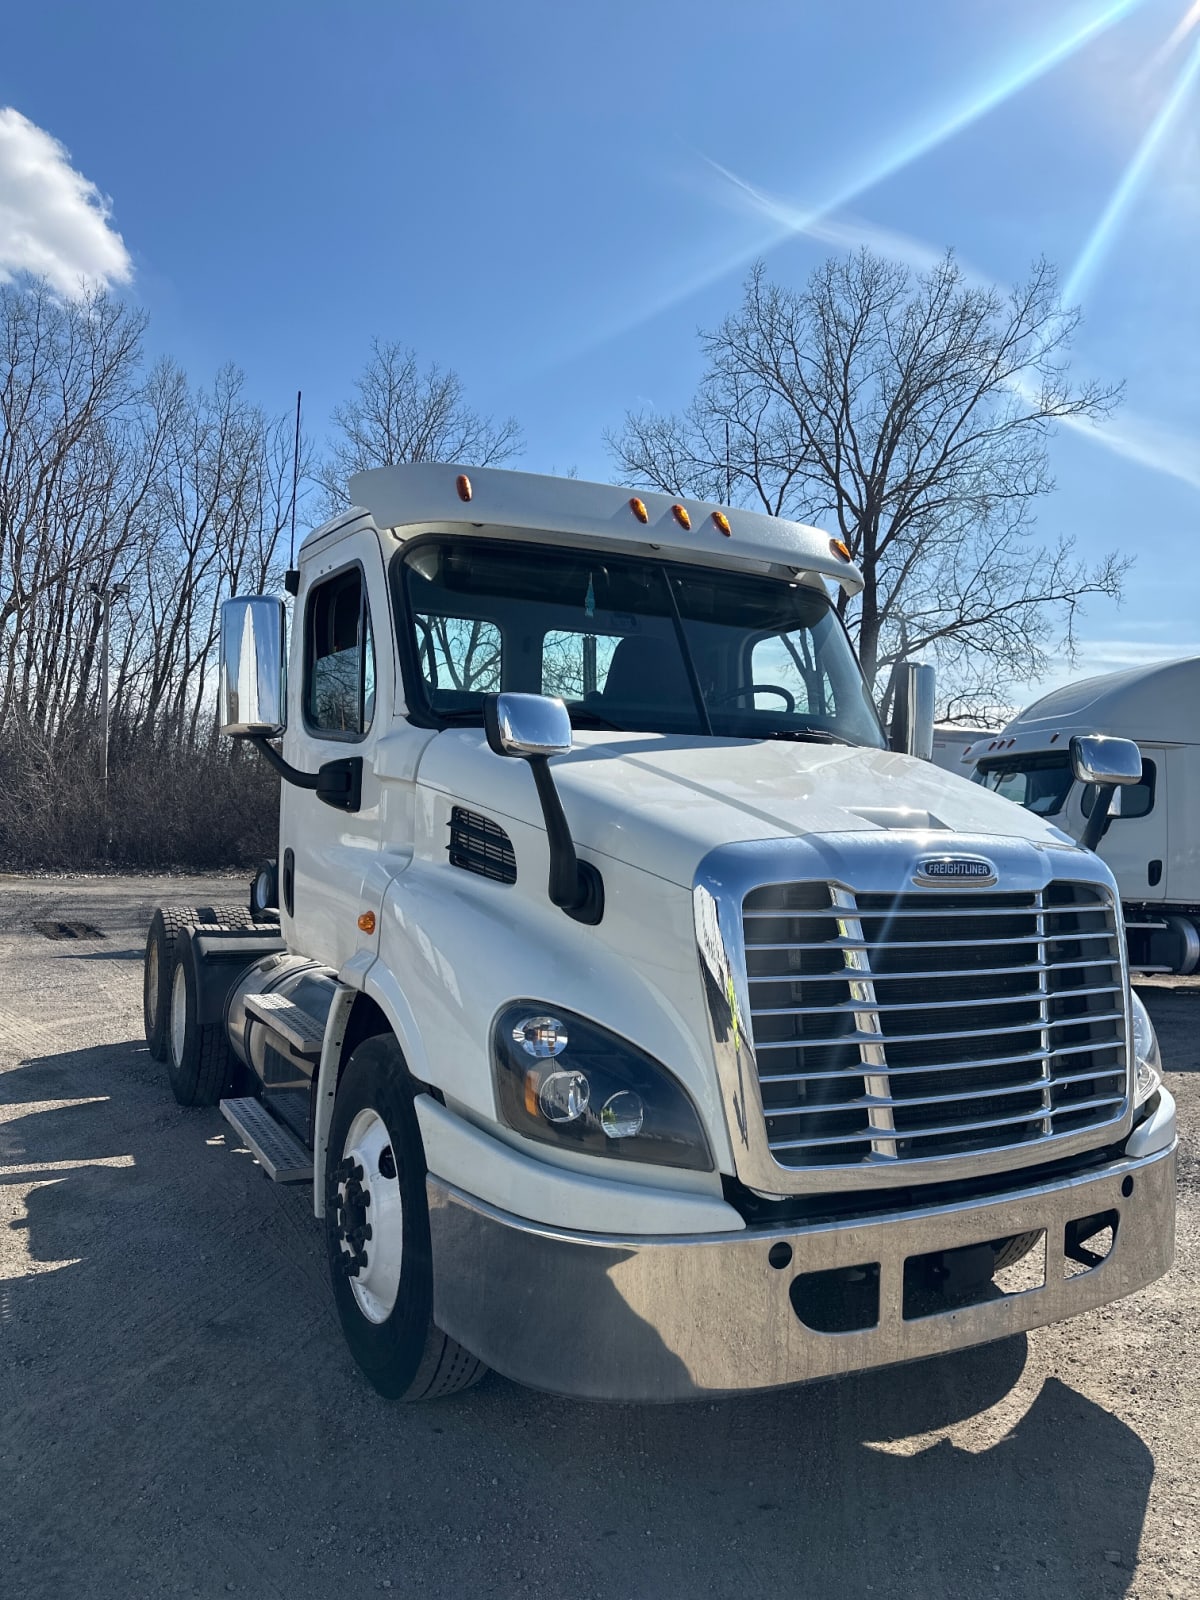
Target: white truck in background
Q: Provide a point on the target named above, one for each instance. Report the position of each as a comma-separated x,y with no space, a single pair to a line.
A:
1152,840
952,746
646,1022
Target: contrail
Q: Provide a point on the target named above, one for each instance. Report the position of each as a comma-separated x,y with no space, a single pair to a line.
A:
1101,236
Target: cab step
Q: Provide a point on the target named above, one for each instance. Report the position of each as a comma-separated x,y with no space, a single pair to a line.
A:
281,1155
291,1022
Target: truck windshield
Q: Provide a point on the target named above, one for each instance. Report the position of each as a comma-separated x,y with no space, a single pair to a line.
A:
628,644
1040,783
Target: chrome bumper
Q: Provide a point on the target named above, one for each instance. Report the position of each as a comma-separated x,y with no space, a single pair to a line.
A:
676,1318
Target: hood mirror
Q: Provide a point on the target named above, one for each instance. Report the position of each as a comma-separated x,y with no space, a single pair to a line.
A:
533,727
527,725
1108,763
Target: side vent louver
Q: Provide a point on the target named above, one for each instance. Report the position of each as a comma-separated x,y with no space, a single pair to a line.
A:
477,844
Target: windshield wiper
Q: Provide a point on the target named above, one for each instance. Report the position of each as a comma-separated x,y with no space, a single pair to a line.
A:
810,736
584,718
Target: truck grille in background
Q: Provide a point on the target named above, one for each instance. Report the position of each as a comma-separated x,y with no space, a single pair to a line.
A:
913,1026
477,844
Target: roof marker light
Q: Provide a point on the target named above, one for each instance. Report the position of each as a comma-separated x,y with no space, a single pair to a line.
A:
680,513
638,507
722,522
463,484
841,548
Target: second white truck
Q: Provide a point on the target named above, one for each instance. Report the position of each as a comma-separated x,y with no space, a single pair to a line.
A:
1152,838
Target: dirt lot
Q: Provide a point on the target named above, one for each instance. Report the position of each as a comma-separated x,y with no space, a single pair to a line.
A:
178,1415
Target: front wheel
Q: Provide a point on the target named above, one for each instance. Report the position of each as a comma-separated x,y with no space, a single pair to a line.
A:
377,1234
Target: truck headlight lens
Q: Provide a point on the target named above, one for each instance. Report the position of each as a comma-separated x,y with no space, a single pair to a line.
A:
540,1036
1147,1060
598,1094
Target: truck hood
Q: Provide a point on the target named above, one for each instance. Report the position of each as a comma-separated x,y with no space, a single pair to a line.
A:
662,803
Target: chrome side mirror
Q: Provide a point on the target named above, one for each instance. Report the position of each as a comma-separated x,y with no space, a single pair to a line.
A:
915,695
1107,763
533,727
252,677
1095,758
527,725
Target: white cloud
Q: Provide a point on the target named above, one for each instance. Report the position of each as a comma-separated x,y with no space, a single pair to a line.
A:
54,222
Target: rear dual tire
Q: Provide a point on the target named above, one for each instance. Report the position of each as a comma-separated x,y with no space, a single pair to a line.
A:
200,1064
158,971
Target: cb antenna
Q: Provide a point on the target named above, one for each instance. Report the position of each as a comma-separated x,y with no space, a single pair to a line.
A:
295,483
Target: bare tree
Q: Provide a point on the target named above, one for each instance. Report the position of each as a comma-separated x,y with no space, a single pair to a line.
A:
910,414
403,412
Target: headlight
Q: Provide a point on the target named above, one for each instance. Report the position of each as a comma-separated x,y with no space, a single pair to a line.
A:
567,1082
1148,1061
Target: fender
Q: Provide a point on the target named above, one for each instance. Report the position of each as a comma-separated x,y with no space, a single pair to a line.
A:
370,978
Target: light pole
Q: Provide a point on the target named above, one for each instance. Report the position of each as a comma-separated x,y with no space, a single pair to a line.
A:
105,597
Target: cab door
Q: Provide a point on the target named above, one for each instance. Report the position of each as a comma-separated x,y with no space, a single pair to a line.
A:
339,704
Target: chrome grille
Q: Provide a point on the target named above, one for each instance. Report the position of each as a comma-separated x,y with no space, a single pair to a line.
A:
931,1024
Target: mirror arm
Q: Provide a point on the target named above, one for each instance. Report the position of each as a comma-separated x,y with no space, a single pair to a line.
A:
575,886
337,783
289,773
1096,823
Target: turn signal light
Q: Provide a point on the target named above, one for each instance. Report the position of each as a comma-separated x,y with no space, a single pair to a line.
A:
841,548
366,922
680,513
638,507
720,520
463,484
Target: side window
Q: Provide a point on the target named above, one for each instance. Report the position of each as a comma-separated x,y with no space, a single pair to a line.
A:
1136,799
339,657
575,665
458,654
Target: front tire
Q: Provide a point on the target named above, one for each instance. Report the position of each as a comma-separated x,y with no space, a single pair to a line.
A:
377,1233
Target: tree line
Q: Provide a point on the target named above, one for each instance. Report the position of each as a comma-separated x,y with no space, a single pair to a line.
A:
907,413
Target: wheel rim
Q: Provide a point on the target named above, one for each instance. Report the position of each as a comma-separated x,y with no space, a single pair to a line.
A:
370,1216
178,1014
152,982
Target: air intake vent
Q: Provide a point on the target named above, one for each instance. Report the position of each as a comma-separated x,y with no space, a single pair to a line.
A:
477,844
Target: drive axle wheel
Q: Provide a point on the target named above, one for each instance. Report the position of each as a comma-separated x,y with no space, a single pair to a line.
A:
377,1233
199,1063
167,923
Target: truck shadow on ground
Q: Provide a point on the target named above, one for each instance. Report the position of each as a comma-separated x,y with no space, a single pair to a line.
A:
178,1414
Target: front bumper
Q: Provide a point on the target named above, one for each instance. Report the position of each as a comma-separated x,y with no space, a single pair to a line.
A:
677,1318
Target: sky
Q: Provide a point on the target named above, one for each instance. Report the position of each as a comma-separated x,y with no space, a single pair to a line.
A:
554,199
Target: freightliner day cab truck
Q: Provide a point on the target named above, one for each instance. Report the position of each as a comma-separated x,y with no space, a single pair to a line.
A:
648,1024
1152,841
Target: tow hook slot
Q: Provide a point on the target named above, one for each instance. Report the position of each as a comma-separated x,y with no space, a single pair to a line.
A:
1098,1230
839,1300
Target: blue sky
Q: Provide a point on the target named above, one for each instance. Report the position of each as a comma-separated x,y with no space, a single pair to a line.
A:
552,199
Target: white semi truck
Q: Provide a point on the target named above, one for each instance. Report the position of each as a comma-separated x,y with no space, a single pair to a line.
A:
647,1023
1152,838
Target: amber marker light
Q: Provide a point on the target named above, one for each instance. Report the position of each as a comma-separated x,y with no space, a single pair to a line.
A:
638,507
841,548
366,922
532,1084
720,520
680,513
463,484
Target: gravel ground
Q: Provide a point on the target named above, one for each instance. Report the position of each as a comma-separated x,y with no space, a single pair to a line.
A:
178,1415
